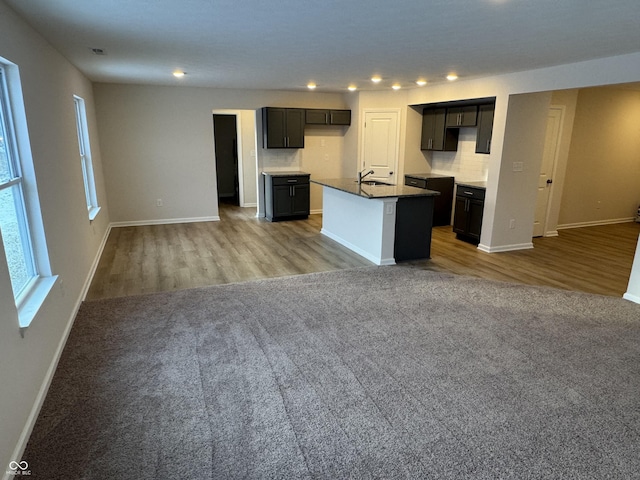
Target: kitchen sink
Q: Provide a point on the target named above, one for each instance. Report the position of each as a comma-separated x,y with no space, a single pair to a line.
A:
372,183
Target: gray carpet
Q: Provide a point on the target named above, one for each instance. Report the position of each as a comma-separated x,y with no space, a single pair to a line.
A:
381,372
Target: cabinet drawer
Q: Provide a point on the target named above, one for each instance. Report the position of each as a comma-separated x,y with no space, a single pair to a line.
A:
470,192
415,182
290,180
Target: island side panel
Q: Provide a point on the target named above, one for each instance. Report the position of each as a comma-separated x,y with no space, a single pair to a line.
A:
414,221
363,225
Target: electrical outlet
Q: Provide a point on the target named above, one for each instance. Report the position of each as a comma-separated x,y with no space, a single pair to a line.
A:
512,223
159,202
518,166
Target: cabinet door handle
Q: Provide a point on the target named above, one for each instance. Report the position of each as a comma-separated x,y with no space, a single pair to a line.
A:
468,193
413,182
488,145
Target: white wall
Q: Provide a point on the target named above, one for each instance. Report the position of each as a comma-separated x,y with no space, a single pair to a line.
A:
464,164
48,85
157,143
621,69
523,143
603,168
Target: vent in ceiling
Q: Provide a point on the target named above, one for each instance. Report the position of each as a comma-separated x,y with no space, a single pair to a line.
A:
98,51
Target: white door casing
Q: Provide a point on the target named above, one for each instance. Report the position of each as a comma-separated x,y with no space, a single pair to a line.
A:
380,144
547,170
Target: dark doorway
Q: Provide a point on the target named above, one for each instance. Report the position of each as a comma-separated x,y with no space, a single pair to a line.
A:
225,137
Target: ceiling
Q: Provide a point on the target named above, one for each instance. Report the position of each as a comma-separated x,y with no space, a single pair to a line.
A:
285,44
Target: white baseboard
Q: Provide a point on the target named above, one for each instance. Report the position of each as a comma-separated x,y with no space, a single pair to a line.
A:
505,248
358,250
631,297
612,221
165,221
44,388
94,265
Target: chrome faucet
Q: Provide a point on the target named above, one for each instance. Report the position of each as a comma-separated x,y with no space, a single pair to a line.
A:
361,176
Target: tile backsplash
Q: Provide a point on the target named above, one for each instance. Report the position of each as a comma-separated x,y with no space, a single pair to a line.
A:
464,164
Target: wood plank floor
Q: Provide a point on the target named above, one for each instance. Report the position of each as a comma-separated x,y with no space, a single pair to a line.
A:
590,259
241,247
238,248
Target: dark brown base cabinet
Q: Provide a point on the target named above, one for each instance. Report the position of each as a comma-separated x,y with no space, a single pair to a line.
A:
414,217
287,196
467,218
443,203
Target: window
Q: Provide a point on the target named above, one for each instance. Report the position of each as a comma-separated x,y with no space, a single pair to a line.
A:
24,245
85,158
13,218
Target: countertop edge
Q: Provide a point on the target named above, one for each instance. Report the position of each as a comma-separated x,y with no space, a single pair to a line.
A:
350,185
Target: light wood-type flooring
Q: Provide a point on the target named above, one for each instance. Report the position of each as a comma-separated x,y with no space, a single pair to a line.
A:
241,247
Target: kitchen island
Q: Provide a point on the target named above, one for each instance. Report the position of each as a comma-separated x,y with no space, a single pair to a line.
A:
383,223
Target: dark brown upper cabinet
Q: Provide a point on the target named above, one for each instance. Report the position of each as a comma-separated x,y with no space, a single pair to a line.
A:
318,116
485,128
435,136
283,127
462,116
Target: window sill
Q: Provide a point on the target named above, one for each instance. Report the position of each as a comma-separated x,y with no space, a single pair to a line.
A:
30,304
93,213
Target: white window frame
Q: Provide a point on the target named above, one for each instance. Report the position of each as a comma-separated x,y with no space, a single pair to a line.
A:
86,162
31,296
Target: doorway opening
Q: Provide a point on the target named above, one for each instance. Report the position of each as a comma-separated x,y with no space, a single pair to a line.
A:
225,135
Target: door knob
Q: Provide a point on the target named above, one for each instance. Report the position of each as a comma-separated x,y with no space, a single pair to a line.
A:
549,181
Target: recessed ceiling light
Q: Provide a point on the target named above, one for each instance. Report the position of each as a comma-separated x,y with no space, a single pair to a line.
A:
452,76
396,86
352,88
311,86
179,74
421,82
376,79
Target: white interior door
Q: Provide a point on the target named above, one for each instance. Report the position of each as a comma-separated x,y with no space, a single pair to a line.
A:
380,144
545,181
